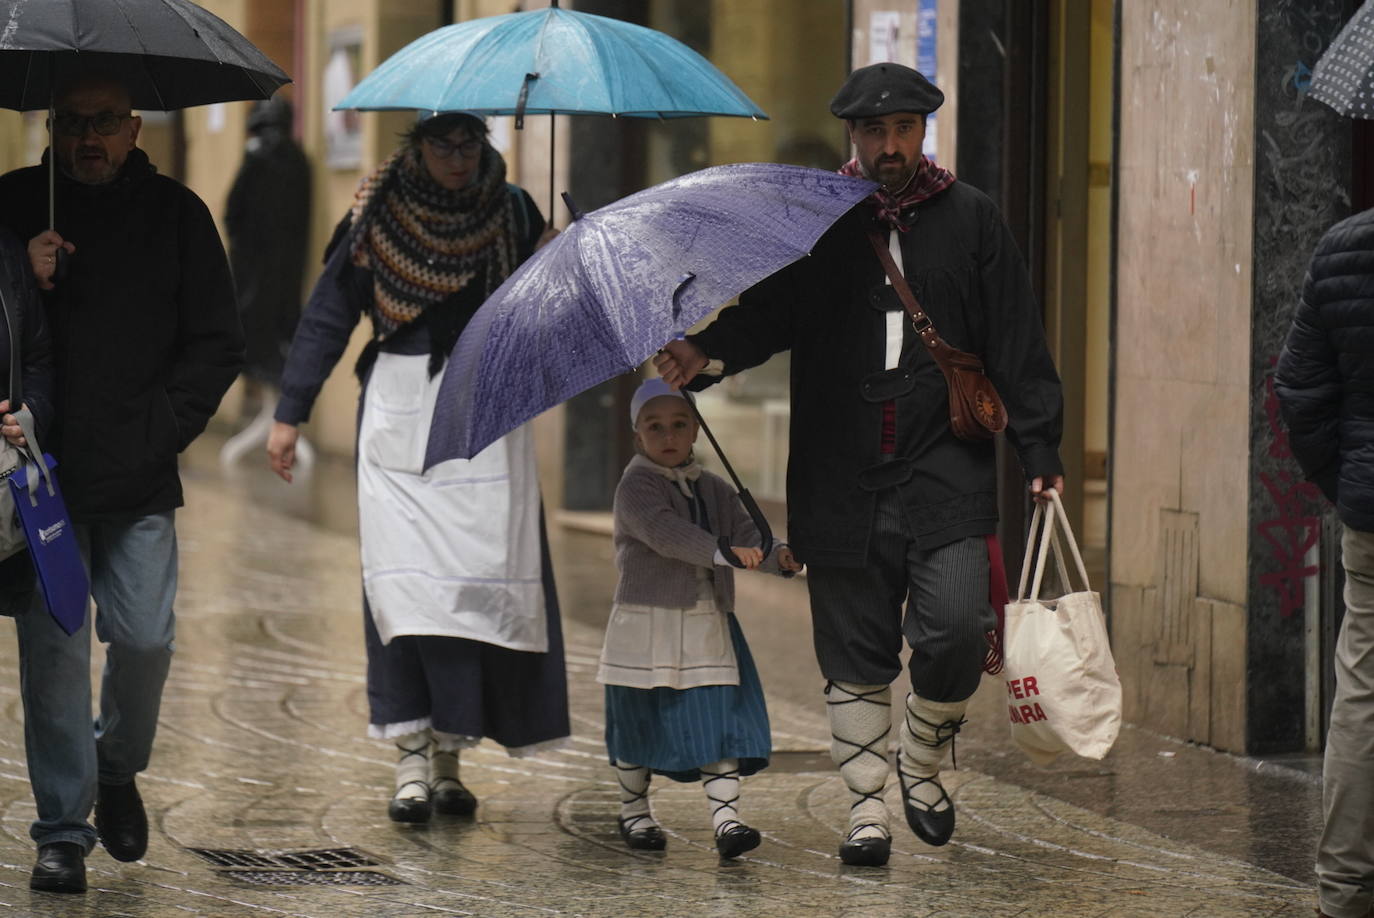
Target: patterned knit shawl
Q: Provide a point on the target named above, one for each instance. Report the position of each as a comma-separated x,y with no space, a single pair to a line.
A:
927,181
424,243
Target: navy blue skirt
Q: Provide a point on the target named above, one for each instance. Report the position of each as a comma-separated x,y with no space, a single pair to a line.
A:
676,731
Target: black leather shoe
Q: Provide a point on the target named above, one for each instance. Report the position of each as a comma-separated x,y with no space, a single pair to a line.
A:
61,868
120,821
453,799
736,840
934,827
866,852
648,838
410,809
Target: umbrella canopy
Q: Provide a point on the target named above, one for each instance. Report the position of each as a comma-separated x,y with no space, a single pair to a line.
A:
550,61
1344,77
607,293
169,53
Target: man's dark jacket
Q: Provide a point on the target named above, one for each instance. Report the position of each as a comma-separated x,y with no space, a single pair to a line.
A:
145,332
830,308
1325,378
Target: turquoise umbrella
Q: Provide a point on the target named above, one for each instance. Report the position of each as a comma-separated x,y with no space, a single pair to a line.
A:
550,62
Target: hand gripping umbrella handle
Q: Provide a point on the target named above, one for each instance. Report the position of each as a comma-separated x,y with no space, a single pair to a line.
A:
750,506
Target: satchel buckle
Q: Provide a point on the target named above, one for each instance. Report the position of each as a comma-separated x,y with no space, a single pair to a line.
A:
917,320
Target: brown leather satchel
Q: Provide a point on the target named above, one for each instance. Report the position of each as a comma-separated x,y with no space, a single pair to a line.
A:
976,411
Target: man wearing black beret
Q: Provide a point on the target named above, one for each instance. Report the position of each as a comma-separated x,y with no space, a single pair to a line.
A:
892,513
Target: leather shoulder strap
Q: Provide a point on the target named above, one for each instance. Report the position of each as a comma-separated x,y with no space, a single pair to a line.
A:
919,320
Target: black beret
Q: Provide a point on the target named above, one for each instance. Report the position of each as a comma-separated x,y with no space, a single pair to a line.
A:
881,89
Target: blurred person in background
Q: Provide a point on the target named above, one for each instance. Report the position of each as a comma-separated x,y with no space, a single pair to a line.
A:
460,613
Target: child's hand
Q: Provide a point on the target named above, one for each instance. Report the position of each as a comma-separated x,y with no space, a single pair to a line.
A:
749,557
788,561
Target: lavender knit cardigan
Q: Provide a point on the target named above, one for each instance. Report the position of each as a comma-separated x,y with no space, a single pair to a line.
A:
658,548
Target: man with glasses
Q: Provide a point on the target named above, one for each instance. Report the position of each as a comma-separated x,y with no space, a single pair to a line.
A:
147,339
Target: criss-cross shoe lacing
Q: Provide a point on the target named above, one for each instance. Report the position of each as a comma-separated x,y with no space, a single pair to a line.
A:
416,788
720,781
929,809
637,825
872,753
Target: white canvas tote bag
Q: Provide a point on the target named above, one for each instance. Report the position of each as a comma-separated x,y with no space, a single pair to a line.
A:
1063,693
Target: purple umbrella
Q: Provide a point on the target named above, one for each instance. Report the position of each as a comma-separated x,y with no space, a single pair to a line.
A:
621,281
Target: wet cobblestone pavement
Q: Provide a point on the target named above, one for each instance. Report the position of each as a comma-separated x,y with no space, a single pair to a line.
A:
261,749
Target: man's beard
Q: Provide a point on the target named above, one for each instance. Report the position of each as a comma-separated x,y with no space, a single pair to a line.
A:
91,171
894,173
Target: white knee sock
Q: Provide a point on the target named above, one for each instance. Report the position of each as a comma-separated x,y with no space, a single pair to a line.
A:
927,734
634,795
860,721
412,766
720,780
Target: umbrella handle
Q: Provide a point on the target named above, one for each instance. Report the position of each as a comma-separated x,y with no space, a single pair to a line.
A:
750,506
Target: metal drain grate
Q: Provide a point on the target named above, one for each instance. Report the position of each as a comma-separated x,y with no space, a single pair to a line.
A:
312,877
320,867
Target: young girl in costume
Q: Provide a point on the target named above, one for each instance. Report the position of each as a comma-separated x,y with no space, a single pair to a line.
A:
683,698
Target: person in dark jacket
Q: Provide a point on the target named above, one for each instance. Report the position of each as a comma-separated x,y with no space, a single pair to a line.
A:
1325,385
886,507
147,339
267,223
24,312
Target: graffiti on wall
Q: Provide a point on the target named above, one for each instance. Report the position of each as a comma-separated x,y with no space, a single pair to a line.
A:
1293,531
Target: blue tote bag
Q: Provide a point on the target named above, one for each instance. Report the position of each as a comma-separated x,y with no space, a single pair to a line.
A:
52,540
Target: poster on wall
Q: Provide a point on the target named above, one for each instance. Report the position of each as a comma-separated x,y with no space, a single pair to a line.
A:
343,131
907,33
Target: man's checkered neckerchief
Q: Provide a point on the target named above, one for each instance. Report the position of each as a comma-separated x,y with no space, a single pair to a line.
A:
927,181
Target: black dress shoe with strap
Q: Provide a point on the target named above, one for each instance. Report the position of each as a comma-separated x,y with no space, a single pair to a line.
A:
60,868
452,798
737,839
870,851
120,821
640,834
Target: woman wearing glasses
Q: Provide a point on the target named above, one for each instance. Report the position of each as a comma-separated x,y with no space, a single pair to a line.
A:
462,626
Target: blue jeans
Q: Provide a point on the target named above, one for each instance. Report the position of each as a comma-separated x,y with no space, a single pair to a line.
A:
133,568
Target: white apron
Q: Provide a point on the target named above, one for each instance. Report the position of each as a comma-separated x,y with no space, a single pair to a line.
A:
453,551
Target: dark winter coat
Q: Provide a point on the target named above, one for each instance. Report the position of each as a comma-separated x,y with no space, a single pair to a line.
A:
35,347
267,222
35,359
1325,378
829,310
145,332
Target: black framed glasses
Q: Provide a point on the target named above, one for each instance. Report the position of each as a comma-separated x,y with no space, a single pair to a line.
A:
467,149
104,123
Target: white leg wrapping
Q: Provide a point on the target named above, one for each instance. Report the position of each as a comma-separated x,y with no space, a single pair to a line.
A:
634,795
412,766
927,734
720,780
860,721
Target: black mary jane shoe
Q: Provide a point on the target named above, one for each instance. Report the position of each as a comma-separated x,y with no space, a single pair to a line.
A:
736,840
934,827
872,851
410,809
452,798
60,868
121,821
646,838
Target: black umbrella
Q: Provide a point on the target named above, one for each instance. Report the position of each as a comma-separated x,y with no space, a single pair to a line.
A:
170,54
1344,77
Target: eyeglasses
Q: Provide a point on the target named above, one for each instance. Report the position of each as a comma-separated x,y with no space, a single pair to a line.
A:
105,124
444,150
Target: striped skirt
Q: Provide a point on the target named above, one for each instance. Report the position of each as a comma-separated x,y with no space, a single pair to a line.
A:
676,731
